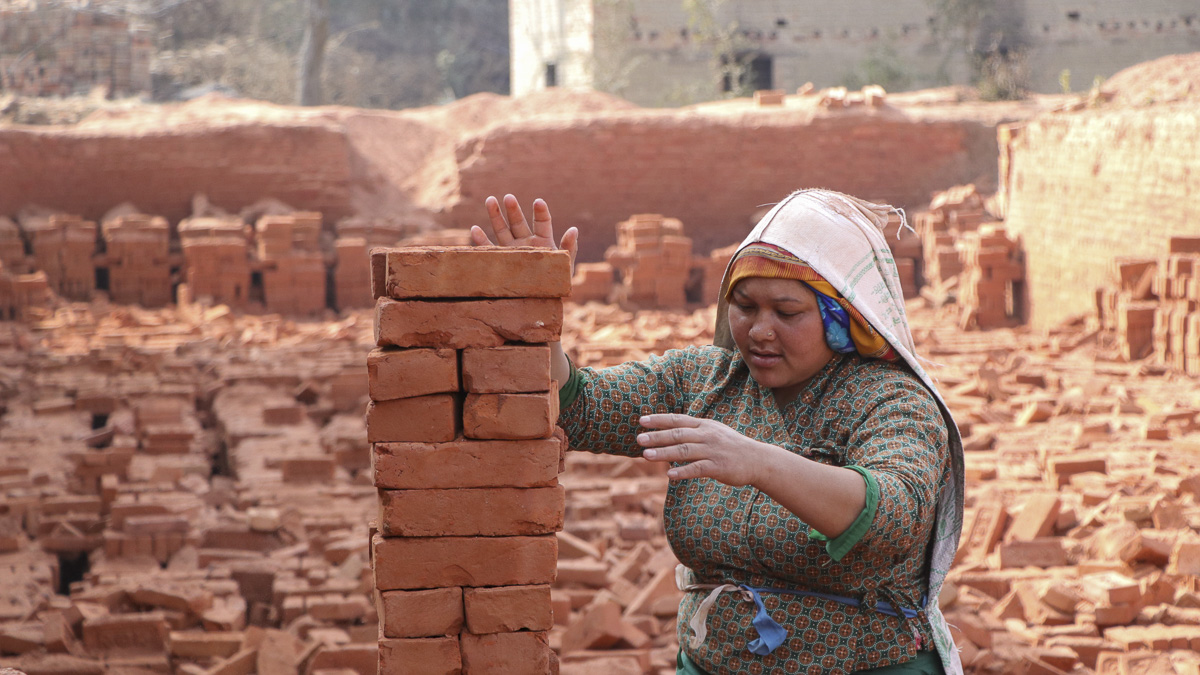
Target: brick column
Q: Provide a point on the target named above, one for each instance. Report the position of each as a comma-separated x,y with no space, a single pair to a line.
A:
466,457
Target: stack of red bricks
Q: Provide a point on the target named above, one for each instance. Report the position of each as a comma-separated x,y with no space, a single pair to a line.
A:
951,213
466,457
712,271
991,286
139,267
289,246
1152,307
218,261
653,259
63,247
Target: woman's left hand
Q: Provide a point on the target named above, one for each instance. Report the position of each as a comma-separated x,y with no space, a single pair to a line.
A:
706,448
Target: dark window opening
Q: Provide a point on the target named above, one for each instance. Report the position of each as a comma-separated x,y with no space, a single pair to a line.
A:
1074,16
99,421
102,279
71,568
780,23
754,72
551,74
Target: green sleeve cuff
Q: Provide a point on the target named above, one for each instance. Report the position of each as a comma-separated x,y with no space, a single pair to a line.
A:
838,547
570,389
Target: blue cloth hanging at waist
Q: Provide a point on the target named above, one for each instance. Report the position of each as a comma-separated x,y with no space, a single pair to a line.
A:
771,634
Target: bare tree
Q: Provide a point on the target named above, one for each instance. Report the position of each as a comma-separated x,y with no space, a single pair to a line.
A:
312,53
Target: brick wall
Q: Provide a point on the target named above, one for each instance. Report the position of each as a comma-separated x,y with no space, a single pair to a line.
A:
88,171
1086,187
713,172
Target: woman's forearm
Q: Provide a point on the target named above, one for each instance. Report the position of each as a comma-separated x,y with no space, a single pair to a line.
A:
560,367
828,498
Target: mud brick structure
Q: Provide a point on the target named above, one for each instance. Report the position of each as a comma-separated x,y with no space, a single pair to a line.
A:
137,249
293,267
652,258
218,261
466,457
991,286
1083,188
63,247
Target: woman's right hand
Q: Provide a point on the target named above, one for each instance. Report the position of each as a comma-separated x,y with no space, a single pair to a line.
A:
511,228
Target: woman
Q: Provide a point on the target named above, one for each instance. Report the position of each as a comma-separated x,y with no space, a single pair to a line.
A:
816,475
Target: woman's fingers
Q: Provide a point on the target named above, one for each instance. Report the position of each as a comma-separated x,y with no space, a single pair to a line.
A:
541,220
570,243
504,236
669,421
479,237
516,218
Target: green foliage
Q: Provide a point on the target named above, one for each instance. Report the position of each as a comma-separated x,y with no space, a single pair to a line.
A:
381,53
1064,80
882,66
1003,77
729,52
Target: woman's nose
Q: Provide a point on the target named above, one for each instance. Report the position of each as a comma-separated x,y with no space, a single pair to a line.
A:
761,330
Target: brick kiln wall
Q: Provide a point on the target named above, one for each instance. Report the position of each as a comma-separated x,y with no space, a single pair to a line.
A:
713,172
84,172
1086,187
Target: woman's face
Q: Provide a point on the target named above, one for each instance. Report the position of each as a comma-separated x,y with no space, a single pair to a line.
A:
777,327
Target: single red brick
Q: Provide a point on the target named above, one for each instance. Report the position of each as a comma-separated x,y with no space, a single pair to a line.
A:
405,373
378,272
421,656
424,613
440,562
597,626
470,323
1042,552
467,464
506,609
477,272
508,369
426,419
521,653
487,512
509,416
1036,518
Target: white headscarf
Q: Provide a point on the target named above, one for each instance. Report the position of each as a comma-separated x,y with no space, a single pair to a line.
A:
841,238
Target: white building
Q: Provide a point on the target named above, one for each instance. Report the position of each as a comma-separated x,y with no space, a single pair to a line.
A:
669,52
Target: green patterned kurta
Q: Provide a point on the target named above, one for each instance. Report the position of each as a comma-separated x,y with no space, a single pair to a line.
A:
856,411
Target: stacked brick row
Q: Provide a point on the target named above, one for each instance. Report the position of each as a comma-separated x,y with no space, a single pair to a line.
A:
351,273
218,261
1152,307
63,247
293,275
61,51
139,265
991,285
653,260
466,457
19,292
